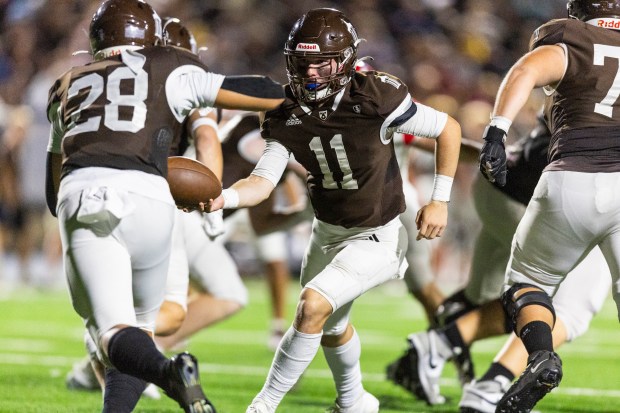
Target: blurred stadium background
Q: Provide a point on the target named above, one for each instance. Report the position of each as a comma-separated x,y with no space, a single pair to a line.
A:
451,53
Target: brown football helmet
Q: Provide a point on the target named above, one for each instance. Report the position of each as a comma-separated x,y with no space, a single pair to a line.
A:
588,9
121,23
176,34
326,40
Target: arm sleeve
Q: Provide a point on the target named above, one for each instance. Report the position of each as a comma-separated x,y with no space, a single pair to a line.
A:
56,129
426,122
256,86
272,164
189,87
50,192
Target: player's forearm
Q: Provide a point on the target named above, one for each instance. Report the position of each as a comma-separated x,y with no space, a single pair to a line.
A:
448,148
254,93
227,99
209,152
248,192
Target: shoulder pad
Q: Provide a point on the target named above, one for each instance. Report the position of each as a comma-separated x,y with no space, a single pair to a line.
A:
555,31
549,33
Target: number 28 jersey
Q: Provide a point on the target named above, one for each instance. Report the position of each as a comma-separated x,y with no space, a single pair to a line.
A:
127,111
353,176
583,110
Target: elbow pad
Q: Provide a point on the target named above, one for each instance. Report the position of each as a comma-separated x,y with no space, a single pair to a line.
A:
255,86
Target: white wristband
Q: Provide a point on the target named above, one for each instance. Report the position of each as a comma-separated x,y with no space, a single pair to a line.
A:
231,198
442,188
203,121
501,122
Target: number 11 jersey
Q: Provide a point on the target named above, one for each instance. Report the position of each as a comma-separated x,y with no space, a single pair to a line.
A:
346,146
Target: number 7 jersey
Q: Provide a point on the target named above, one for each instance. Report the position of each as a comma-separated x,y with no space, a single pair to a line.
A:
345,145
126,111
583,109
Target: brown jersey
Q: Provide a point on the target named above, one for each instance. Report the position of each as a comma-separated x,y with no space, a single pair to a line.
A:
353,175
118,116
583,113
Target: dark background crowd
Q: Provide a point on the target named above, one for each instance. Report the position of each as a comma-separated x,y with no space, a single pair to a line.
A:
451,53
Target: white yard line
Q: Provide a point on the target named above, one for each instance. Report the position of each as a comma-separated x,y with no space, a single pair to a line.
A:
245,370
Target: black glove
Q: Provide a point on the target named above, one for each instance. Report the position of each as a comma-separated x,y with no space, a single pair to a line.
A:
493,156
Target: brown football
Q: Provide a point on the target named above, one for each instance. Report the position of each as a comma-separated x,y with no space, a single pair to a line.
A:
191,182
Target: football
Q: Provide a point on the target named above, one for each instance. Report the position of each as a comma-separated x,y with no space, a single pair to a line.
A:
191,182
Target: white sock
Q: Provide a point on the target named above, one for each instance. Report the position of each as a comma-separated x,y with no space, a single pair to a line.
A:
344,362
292,357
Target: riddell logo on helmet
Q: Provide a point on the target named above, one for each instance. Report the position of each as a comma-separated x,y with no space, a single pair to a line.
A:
608,23
307,47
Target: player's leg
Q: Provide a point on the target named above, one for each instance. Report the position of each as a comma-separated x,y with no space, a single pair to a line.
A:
332,279
341,344
219,290
117,271
342,349
99,268
461,318
574,310
272,251
564,221
173,310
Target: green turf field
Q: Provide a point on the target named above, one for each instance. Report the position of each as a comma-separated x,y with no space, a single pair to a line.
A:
40,338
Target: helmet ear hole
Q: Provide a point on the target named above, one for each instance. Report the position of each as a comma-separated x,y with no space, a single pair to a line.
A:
320,34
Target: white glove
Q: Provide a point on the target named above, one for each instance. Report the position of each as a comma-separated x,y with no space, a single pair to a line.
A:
213,223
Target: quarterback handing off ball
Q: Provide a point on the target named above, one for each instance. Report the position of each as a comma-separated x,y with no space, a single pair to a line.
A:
191,182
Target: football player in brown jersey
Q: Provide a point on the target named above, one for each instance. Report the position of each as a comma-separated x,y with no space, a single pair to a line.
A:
481,316
575,206
338,124
113,122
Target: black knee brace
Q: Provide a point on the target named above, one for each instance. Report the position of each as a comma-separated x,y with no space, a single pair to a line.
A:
452,308
513,305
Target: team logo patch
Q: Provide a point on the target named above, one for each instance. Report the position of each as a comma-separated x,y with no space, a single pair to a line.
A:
307,47
323,115
389,80
357,109
293,120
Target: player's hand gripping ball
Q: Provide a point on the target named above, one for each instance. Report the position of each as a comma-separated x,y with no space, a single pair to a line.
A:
191,182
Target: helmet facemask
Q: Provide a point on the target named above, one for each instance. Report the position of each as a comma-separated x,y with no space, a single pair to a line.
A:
320,52
315,77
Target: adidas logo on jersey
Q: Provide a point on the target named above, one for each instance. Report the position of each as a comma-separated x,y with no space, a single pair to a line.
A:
293,120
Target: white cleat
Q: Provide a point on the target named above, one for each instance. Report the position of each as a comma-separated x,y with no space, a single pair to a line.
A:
430,351
82,377
483,396
260,406
367,403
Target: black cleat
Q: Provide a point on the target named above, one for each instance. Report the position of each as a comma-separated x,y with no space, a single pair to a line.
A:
403,372
184,385
542,374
